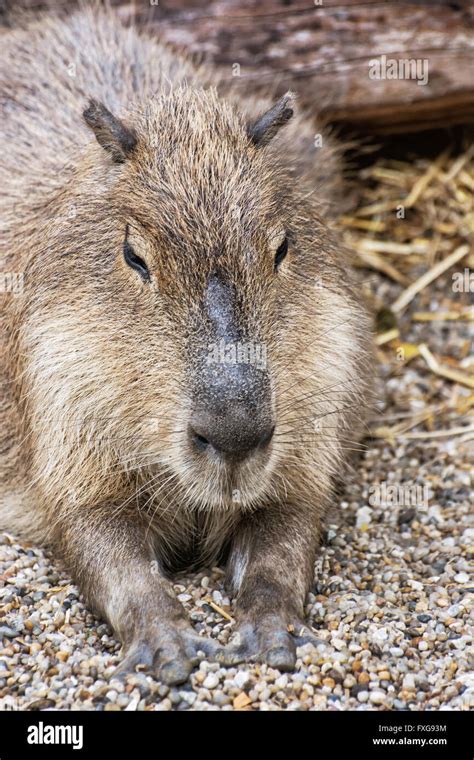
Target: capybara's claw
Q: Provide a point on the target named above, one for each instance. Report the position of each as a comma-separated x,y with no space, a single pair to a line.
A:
170,656
268,640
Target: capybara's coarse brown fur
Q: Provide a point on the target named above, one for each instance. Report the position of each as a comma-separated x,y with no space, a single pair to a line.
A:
183,349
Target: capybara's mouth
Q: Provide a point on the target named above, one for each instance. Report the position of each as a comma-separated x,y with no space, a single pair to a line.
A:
216,482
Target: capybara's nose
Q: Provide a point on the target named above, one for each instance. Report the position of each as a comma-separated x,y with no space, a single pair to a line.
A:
233,436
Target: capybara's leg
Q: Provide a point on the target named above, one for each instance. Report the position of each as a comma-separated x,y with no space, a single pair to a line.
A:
271,567
115,567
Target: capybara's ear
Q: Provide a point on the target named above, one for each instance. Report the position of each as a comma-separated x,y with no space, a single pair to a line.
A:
268,124
109,131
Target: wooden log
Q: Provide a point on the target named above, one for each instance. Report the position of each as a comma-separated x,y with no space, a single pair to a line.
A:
374,65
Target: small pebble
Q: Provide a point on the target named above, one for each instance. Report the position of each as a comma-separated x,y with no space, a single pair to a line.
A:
211,681
242,678
377,697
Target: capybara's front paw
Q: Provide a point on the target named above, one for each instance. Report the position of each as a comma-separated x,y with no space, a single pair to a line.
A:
170,653
271,639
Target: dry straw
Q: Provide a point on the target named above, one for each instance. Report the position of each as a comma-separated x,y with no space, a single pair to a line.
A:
415,227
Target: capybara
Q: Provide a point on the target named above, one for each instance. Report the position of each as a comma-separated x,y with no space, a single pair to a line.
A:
185,357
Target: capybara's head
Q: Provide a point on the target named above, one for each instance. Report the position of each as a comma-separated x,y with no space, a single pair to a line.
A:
182,312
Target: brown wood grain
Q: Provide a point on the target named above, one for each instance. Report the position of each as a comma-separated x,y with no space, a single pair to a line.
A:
323,52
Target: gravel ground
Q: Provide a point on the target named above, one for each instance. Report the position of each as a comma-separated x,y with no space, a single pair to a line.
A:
392,597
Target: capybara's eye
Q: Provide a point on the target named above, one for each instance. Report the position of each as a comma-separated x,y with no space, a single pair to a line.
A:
135,261
281,252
